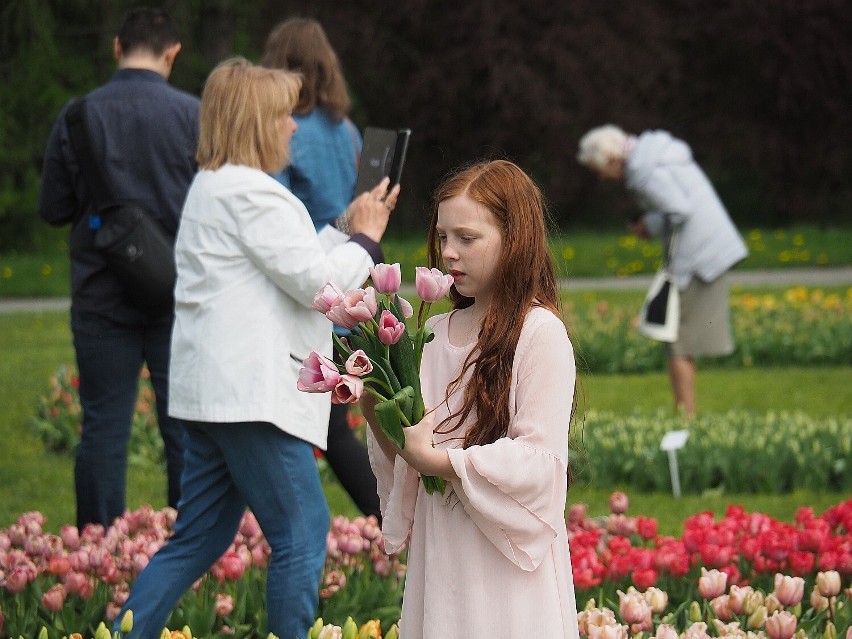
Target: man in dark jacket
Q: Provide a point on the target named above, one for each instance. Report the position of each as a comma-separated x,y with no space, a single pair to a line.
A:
143,134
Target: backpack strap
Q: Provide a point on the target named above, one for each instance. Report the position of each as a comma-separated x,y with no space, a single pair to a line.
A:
78,133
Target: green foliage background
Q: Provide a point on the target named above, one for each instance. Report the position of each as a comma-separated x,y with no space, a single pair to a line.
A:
759,90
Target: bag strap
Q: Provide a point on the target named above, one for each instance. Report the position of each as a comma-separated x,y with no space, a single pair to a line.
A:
669,240
78,133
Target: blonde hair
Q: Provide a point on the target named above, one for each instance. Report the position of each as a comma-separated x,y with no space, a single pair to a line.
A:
301,45
600,145
241,109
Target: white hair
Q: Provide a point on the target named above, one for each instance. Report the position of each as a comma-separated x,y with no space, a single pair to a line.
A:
600,145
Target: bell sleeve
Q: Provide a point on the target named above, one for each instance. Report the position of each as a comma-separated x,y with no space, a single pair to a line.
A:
397,484
514,489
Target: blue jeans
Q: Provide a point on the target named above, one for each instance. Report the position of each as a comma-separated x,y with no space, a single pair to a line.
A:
109,358
230,467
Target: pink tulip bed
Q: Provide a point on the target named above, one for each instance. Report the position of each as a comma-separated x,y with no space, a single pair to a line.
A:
741,575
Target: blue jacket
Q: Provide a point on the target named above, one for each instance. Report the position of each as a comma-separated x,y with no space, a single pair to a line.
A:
323,165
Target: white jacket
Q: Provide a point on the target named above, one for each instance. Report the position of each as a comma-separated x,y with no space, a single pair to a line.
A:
665,179
249,263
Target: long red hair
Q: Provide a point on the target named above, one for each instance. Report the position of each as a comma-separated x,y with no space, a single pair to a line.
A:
525,278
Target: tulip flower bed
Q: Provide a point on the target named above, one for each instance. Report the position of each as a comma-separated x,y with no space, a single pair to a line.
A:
801,327
58,418
742,572
738,451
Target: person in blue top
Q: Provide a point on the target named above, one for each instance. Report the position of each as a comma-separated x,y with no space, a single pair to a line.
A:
324,155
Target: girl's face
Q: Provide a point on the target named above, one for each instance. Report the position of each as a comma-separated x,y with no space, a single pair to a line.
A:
471,246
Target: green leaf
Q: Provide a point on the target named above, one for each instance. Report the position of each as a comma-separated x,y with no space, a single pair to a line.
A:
388,415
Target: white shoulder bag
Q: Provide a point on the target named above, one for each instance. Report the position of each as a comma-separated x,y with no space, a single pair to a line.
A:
659,317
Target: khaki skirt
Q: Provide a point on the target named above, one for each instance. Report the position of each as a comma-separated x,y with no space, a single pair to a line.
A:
705,320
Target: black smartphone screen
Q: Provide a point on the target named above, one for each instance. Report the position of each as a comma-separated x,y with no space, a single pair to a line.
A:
383,155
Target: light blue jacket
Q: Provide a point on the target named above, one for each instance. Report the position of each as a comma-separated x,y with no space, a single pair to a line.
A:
323,166
666,181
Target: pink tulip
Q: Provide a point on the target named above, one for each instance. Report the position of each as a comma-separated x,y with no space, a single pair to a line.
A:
817,601
405,306
666,631
232,566
70,537
633,608
224,604
76,582
390,328
721,608
387,278
711,583
615,631
789,590
618,503
17,580
828,583
356,306
431,284
737,597
781,625
318,374
54,599
327,297
657,599
359,364
348,390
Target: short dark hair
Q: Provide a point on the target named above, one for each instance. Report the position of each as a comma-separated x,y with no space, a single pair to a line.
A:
147,28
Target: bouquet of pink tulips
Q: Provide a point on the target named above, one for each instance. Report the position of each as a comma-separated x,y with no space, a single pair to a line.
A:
379,357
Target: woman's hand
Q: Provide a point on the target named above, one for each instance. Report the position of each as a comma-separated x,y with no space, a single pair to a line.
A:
369,212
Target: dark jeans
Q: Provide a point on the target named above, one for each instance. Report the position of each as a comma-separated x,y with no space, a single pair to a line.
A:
350,462
109,359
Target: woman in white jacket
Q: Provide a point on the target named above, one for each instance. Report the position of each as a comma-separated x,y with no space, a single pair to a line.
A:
682,208
249,263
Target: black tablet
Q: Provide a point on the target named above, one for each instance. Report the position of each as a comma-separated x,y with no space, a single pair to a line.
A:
383,155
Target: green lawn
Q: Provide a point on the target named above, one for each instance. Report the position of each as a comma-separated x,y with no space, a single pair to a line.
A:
35,344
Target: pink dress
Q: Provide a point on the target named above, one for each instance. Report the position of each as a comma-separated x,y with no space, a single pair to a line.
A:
490,558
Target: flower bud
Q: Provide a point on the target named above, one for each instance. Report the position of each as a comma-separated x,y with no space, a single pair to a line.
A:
126,622
752,602
313,631
757,618
830,631
350,630
101,632
694,614
387,278
392,633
